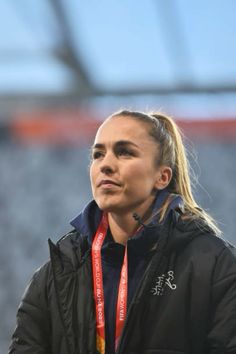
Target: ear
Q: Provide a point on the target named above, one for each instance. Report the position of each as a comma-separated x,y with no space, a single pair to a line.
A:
164,175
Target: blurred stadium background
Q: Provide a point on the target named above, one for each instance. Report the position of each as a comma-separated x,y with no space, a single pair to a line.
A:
64,66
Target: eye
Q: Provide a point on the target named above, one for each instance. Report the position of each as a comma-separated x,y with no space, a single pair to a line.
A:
96,155
124,152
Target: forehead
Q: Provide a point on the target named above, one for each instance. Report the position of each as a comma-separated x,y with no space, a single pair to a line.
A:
123,128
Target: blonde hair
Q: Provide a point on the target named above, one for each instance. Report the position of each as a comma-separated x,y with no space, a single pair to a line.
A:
172,153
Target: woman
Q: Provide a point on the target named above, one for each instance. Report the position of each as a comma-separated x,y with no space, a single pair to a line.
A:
143,270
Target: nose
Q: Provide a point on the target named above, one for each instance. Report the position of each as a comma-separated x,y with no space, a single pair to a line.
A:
108,164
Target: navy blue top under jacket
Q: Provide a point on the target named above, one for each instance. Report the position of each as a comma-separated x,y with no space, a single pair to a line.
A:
139,254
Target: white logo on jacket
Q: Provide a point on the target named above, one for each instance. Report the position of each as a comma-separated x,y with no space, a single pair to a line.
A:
164,279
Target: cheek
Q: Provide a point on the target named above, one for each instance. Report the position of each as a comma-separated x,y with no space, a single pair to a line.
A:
146,179
92,175
138,174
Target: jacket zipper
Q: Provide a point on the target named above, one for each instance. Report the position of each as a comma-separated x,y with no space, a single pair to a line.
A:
139,292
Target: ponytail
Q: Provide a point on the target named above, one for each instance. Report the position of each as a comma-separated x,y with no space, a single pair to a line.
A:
172,153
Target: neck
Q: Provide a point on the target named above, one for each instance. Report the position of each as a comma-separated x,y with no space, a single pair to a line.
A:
124,226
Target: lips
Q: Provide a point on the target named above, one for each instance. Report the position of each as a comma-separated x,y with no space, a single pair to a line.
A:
106,182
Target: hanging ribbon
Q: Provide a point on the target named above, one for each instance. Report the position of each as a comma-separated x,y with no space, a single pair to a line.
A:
121,309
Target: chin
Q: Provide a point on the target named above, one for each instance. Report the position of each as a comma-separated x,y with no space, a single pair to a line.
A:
106,207
109,206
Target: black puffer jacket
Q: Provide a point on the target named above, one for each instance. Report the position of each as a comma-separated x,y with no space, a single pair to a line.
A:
185,302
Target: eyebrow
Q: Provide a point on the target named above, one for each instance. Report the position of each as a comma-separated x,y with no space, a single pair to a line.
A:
119,143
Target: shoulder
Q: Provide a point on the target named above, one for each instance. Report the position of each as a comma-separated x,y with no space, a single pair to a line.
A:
65,244
211,249
198,242
36,291
209,243
196,233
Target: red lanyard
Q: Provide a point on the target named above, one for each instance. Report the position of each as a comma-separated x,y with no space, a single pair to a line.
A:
121,309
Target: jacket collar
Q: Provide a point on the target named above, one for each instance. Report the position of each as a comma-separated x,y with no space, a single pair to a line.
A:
88,220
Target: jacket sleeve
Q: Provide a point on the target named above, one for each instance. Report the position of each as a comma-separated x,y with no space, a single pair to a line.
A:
31,335
222,334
